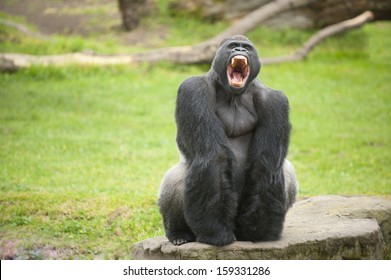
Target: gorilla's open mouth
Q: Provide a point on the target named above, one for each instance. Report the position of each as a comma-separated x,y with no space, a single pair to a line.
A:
238,71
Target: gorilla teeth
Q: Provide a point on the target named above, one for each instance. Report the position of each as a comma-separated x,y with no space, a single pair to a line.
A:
238,71
239,59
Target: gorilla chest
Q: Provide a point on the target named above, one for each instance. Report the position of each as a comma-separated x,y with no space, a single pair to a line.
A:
237,114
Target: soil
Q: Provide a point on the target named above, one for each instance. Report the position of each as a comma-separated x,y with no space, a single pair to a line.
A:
80,17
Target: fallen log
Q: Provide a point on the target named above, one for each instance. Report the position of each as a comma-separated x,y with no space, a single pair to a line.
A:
201,53
320,36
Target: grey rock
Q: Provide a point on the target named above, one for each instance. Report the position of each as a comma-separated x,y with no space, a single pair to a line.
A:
322,227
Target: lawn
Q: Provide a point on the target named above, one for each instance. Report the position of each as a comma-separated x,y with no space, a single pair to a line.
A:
83,149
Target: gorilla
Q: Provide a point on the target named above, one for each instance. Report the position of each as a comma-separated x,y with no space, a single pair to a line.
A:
233,181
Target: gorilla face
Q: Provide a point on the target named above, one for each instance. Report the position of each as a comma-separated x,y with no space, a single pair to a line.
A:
236,63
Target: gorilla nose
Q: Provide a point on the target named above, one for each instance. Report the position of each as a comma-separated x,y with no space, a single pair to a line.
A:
239,49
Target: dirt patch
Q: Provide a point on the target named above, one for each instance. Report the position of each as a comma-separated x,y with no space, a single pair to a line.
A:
12,250
65,17
9,250
81,17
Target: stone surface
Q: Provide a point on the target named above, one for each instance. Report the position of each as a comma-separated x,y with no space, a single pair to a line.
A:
322,227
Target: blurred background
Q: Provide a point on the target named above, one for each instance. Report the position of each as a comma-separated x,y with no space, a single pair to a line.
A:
83,148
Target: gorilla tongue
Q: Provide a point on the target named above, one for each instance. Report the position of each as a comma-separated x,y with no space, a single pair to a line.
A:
238,71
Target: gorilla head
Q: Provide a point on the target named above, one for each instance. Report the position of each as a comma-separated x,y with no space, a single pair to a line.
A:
236,64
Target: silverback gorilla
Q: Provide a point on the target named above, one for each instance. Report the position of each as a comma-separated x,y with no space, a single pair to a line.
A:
233,181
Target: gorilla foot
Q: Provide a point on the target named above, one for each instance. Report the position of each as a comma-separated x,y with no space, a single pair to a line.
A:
257,236
180,238
219,240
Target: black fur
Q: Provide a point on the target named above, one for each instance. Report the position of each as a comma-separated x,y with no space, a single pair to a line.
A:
234,141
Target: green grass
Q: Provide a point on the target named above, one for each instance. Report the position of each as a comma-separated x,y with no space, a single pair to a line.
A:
82,154
83,149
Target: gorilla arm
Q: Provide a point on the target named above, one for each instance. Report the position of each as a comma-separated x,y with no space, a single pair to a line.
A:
264,203
210,202
271,139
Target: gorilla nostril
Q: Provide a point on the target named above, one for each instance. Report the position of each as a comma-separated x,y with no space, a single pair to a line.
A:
239,49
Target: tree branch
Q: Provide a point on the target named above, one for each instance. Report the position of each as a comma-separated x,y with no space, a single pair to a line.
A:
320,36
201,53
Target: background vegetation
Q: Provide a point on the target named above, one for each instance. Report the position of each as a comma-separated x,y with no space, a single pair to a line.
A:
83,149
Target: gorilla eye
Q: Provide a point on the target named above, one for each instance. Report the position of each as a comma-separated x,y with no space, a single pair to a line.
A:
233,45
248,47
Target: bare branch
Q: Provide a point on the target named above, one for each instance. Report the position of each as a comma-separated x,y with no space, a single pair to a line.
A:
200,53
320,36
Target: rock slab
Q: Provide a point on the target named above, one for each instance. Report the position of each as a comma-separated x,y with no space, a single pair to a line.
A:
322,227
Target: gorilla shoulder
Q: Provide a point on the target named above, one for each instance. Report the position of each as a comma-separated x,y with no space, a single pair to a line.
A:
270,98
195,84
